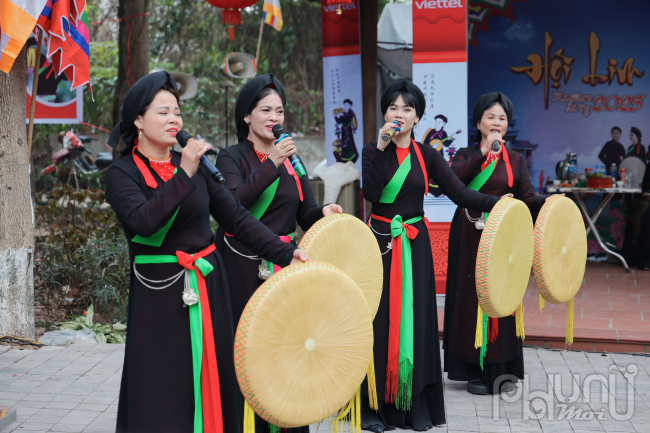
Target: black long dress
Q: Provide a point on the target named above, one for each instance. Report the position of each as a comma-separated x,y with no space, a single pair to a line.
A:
156,393
505,356
637,150
246,178
348,122
428,408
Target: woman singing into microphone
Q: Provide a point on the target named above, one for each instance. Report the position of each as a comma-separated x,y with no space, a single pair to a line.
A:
178,373
492,113
396,176
258,172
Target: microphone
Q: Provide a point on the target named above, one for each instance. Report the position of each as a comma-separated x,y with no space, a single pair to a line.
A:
280,133
389,134
183,137
496,145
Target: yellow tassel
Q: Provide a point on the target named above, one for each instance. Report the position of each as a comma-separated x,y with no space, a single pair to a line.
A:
569,322
541,302
249,418
519,319
478,340
351,413
372,385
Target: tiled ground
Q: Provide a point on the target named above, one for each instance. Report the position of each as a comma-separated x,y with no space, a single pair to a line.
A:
612,313
75,389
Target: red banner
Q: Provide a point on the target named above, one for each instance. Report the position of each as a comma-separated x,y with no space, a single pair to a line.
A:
439,31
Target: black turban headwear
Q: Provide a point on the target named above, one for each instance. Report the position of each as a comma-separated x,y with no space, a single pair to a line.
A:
637,132
248,94
134,102
484,102
386,97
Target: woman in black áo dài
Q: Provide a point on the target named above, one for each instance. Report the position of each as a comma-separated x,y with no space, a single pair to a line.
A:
259,173
510,175
178,373
407,351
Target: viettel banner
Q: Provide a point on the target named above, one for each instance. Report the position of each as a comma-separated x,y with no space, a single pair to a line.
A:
440,70
342,83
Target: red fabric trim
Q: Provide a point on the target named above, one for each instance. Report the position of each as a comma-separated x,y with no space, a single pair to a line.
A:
261,156
148,177
422,166
164,169
493,329
402,153
286,240
292,172
506,158
210,389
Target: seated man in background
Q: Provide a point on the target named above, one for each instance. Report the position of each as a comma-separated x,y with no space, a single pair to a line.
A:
613,151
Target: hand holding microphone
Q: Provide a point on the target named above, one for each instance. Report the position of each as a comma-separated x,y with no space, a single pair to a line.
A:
193,156
493,142
388,131
280,134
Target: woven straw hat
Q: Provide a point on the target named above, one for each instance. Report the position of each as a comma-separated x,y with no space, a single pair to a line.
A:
504,259
560,250
303,344
346,242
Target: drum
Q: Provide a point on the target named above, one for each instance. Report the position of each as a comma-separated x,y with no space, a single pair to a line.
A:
636,168
504,259
303,344
346,242
560,250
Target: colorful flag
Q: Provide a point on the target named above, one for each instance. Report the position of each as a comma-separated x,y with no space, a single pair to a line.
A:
273,14
66,22
17,20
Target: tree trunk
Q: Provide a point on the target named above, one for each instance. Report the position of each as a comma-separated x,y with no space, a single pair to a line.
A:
16,223
133,64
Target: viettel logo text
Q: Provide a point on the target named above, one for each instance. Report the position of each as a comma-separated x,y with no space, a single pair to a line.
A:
439,4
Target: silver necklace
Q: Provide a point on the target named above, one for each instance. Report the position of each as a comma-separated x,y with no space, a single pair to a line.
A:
479,222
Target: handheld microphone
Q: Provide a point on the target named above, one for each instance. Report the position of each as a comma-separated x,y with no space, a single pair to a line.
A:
496,145
389,134
280,133
183,137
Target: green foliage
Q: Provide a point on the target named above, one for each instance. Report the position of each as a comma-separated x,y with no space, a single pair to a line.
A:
189,35
105,332
81,252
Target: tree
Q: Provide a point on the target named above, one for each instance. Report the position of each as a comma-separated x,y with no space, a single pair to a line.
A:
16,228
133,43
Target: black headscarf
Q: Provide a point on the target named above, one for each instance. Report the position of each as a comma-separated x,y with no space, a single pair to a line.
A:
636,132
484,102
134,102
248,94
409,87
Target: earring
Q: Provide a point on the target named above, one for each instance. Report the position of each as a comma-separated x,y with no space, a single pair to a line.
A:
139,134
247,121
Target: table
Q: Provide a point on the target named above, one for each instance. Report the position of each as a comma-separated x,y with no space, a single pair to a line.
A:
591,219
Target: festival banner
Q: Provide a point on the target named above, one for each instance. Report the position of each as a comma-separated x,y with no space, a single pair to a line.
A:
572,78
342,82
440,70
55,102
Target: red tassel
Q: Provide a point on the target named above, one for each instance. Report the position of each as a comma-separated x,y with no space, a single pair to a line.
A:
231,17
231,33
493,329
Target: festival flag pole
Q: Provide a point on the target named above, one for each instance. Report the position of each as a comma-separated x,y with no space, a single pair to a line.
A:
259,42
32,109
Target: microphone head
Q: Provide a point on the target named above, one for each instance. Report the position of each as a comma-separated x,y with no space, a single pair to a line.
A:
278,131
183,137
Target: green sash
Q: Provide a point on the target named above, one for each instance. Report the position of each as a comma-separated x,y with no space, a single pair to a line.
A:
196,331
156,239
477,183
395,185
263,202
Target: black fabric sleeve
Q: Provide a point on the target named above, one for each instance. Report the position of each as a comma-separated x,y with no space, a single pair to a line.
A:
141,216
374,168
525,191
249,190
603,154
453,188
467,164
308,210
645,186
237,221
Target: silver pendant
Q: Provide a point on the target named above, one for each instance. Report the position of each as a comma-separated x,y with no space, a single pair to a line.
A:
264,272
190,297
480,224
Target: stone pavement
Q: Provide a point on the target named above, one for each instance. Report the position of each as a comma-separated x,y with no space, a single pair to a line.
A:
75,389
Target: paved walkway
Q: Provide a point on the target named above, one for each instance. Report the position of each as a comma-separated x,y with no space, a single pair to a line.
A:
75,389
